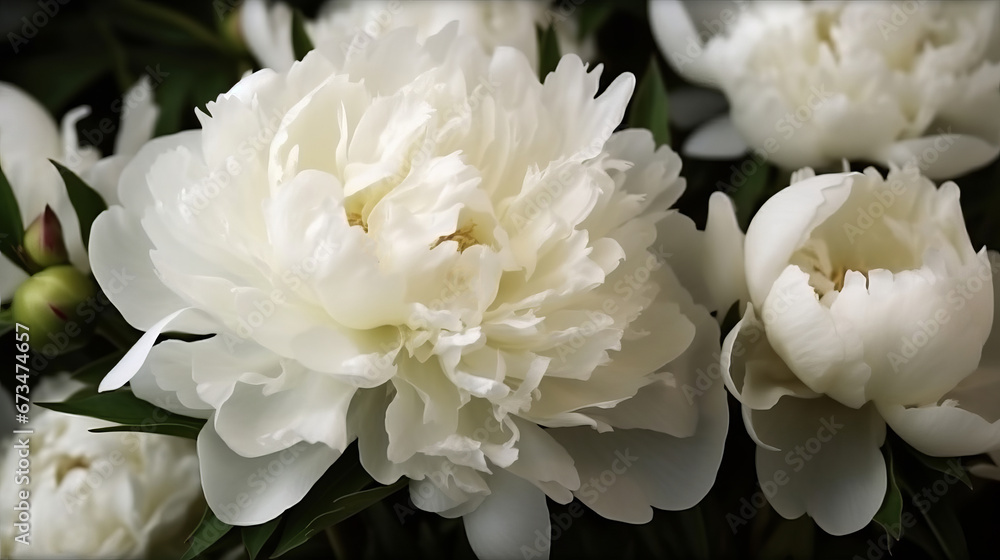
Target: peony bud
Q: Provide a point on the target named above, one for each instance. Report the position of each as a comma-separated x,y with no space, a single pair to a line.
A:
43,240
48,303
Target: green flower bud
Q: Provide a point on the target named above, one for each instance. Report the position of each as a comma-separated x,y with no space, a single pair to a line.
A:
43,240
48,303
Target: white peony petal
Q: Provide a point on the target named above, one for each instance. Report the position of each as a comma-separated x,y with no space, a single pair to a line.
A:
828,463
268,33
119,255
724,251
783,224
754,373
244,491
967,420
257,420
132,361
716,139
827,358
165,380
944,155
138,120
510,520
679,39
624,472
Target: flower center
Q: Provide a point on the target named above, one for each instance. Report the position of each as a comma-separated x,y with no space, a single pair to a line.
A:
463,236
355,219
824,276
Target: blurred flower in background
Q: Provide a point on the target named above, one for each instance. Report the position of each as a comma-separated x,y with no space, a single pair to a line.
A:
348,26
119,495
812,83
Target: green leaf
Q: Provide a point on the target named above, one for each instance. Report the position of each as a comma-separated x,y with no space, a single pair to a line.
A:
94,372
890,515
208,532
301,43
167,429
11,226
338,495
159,17
649,106
342,508
255,537
945,465
86,201
548,51
122,407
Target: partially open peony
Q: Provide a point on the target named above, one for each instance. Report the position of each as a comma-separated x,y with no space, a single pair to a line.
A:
120,495
812,83
424,249
869,308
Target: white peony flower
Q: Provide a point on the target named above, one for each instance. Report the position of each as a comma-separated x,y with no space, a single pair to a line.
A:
424,249
29,138
812,83
869,307
345,26
117,495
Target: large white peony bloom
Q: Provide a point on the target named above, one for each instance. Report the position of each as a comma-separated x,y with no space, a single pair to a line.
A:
424,249
29,138
346,26
118,495
811,83
869,307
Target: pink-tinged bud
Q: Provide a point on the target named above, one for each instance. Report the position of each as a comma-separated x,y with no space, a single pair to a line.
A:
43,240
50,304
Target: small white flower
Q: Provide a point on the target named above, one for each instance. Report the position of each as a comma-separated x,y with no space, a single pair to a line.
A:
347,26
812,83
29,138
869,307
116,495
424,249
